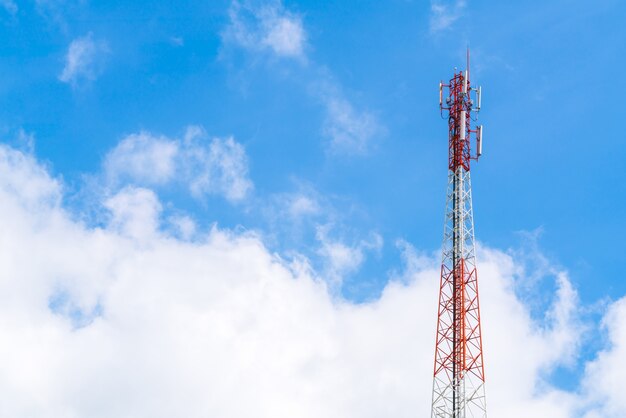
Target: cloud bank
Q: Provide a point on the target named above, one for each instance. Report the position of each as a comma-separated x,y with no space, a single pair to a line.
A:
126,319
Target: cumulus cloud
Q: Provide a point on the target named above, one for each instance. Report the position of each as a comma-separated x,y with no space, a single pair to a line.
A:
104,322
144,158
537,348
266,26
83,61
135,212
184,226
444,13
218,166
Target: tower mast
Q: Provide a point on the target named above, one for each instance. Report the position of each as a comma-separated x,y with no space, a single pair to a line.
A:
459,375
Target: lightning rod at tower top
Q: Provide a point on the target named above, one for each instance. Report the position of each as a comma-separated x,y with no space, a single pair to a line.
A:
459,372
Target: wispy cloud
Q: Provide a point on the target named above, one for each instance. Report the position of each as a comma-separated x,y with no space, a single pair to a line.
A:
10,6
177,41
349,131
270,27
56,12
267,26
444,13
341,259
218,166
83,60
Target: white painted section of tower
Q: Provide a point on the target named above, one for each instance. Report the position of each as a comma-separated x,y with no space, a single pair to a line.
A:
440,94
465,83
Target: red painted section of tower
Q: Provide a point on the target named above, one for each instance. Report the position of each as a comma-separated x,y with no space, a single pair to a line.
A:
462,298
458,149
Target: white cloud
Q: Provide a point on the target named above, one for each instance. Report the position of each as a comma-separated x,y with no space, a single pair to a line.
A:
516,385
219,167
266,26
143,158
83,61
300,205
341,259
103,322
305,203
291,218
185,226
604,376
25,140
286,36
31,187
135,212
444,13
10,6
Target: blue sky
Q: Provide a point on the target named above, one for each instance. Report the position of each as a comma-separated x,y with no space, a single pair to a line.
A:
553,149
326,114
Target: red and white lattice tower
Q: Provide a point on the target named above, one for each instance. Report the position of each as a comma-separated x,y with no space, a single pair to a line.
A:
459,378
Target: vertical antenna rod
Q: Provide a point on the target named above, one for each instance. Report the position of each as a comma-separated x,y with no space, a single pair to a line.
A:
459,375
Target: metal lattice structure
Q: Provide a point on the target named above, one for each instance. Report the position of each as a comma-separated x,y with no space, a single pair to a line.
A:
459,377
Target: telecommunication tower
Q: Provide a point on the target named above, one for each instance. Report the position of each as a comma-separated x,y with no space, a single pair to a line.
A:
459,377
